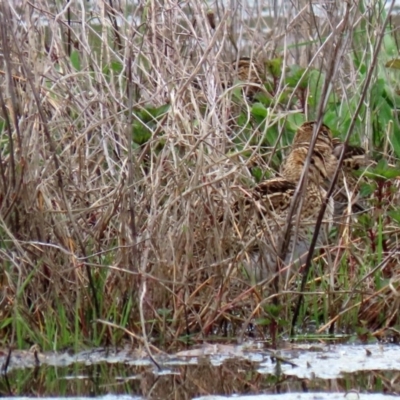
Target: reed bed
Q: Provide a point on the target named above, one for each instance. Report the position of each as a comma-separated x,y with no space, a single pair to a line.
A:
123,148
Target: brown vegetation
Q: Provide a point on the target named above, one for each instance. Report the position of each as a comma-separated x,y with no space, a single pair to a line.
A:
116,168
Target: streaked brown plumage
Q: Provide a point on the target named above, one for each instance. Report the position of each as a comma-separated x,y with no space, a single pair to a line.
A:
267,205
249,71
323,161
347,182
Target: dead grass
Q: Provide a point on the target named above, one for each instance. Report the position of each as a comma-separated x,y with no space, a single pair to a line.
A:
102,222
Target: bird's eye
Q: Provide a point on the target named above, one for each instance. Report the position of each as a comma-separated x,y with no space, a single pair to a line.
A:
324,131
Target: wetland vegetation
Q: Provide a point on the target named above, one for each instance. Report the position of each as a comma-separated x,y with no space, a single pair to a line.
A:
123,143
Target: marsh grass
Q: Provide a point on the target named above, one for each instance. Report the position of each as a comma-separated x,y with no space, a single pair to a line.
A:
118,173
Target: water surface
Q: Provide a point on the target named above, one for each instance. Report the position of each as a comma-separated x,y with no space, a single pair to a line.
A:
311,371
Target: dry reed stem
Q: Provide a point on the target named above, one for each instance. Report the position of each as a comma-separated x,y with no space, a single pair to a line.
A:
151,222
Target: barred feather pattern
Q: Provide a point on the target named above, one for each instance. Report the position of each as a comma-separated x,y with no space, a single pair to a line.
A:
266,207
249,71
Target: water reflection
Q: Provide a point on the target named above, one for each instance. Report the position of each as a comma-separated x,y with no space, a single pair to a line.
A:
209,370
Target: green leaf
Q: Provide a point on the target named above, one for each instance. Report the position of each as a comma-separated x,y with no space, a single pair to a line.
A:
115,66
263,321
151,114
395,140
257,172
294,121
242,120
391,95
283,97
395,215
140,133
237,93
365,221
274,67
389,45
315,84
259,110
75,60
378,89
382,171
158,112
366,189
331,119
262,98
295,75
271,135
273,309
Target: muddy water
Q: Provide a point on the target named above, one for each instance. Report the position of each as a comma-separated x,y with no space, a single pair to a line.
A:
303,371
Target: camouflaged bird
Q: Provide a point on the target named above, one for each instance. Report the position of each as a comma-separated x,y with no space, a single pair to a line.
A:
264,211
347,182
250,72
